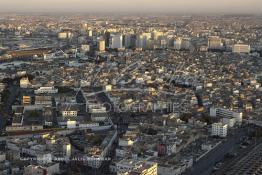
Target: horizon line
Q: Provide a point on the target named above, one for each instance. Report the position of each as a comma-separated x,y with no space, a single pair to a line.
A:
133,12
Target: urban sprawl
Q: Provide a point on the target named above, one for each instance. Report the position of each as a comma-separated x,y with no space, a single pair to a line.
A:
130,94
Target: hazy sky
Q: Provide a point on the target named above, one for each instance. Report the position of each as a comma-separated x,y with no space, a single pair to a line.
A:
184,6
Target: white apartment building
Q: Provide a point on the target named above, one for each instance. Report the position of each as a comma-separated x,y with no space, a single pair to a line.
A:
241,48
43,100
71,124
2,87
46,90
2,156
219,129
24,82
67,148
69,111
227,113
65,35
102,45
88,125
230,122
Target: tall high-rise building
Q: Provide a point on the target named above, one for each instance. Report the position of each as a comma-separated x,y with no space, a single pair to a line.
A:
107,38
215,42
65,35
163,43
90,33
116,41
186,43
156,35
102,45
128,40
178,43
143,40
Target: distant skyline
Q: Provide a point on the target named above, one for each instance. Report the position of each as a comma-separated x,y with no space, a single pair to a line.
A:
168,6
